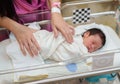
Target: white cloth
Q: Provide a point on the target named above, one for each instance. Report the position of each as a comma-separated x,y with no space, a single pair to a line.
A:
54,48
111,42
57,48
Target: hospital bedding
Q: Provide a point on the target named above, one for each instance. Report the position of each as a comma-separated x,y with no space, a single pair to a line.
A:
53,70
51,48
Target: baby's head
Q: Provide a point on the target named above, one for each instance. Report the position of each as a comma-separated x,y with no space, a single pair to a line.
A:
94,39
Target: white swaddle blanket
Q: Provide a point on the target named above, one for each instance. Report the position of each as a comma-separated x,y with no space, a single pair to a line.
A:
53,48
57,48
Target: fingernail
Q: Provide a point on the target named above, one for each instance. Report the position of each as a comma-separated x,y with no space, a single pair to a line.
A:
36,55
24,54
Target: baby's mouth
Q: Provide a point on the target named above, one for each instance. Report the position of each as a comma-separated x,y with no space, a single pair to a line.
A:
88,49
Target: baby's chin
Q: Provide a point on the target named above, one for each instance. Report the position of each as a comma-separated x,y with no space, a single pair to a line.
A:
90,51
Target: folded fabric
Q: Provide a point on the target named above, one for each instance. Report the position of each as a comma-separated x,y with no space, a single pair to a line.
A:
53,48
26,78
112,39
94,79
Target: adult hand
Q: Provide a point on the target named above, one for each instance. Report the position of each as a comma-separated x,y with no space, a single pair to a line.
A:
23,34
26,40
58,24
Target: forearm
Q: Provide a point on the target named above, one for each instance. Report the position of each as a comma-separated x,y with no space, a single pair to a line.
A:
9,24
23,34
58,22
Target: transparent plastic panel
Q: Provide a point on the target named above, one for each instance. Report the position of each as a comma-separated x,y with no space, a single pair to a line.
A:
105,61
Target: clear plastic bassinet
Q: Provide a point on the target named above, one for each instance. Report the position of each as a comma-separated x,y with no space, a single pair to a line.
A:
101,62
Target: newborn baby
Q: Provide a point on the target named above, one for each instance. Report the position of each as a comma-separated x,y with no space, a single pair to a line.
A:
58,49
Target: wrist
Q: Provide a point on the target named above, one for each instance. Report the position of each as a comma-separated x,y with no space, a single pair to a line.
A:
55,10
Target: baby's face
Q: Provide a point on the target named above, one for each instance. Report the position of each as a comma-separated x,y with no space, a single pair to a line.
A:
92,42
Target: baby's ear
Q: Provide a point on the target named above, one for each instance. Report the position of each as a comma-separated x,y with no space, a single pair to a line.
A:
86,34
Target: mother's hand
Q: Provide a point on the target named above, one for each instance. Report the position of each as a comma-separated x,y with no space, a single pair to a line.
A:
58,24
27,41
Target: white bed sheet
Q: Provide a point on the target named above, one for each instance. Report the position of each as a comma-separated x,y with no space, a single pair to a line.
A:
5,63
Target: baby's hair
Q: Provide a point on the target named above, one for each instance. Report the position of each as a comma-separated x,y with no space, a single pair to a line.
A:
99,32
